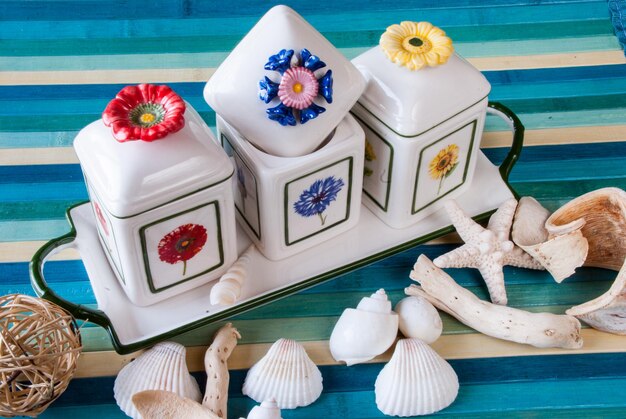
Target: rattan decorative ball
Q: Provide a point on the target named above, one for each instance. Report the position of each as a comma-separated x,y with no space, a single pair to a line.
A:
39,346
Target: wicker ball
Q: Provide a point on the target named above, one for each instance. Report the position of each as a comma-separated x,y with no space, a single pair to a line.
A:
39,346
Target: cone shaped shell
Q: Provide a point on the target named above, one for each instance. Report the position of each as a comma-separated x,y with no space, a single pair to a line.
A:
416,381
285,374
161,368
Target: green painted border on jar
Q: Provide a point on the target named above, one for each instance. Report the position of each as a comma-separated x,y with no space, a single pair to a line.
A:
467,160
144,252
119,270
286,200
98,317
223,138
434,126
390,166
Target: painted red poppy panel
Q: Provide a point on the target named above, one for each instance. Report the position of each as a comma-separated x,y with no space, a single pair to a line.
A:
182,247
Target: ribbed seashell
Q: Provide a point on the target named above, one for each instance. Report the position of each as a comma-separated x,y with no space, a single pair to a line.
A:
162,367
267,410
365,332
419,319
285,374
416,381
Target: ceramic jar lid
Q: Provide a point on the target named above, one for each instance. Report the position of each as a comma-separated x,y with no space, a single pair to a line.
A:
412,100
133,176
284,87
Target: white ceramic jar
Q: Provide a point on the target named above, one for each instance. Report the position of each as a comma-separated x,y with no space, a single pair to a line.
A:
423,126
163,207
284,87
282,99
289,204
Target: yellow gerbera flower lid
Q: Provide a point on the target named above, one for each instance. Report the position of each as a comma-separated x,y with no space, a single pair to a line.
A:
411,102
416,45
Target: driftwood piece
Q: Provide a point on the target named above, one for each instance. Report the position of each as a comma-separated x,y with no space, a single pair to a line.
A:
160,404
215,358
543,330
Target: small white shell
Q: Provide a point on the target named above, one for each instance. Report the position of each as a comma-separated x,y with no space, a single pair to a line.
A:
285,374
162,367
416,381
419,319
365,332
267,410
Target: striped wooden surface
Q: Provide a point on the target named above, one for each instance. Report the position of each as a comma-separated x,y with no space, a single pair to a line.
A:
556,63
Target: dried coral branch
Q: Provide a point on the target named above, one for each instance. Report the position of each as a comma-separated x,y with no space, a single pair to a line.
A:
160,404
216,393
543,330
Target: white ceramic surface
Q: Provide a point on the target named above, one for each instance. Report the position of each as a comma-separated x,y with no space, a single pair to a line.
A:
412,102
269,279
233,90
410,118
149,197
273,194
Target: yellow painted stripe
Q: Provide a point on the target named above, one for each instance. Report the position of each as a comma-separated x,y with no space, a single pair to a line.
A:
556,136
173,75
465,346
552,136
24,251
30,156
549,60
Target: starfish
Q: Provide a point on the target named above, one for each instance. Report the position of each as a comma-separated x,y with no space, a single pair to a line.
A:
486,249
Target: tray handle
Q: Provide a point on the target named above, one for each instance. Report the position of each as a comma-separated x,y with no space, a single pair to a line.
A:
42,289
498,109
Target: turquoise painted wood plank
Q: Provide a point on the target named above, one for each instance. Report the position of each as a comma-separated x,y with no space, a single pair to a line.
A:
466,38
214,59
142,34
32,230
539,297
528,97
37,139
327,13
544,190
69,191
473,399
547,77
551,119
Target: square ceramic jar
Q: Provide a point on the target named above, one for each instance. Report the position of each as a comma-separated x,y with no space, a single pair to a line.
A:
423,130
284,87
289,204
164,208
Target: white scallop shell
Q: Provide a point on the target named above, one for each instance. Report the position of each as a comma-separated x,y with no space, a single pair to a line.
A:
267,410
419,319
365,332
285,374
416,381
162,367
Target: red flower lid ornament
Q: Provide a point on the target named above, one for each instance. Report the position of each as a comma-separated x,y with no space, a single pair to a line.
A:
145,112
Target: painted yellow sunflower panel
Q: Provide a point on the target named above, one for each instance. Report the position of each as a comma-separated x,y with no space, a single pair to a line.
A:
442,166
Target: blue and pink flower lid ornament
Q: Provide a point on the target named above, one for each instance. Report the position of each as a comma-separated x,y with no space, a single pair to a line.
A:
298,87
